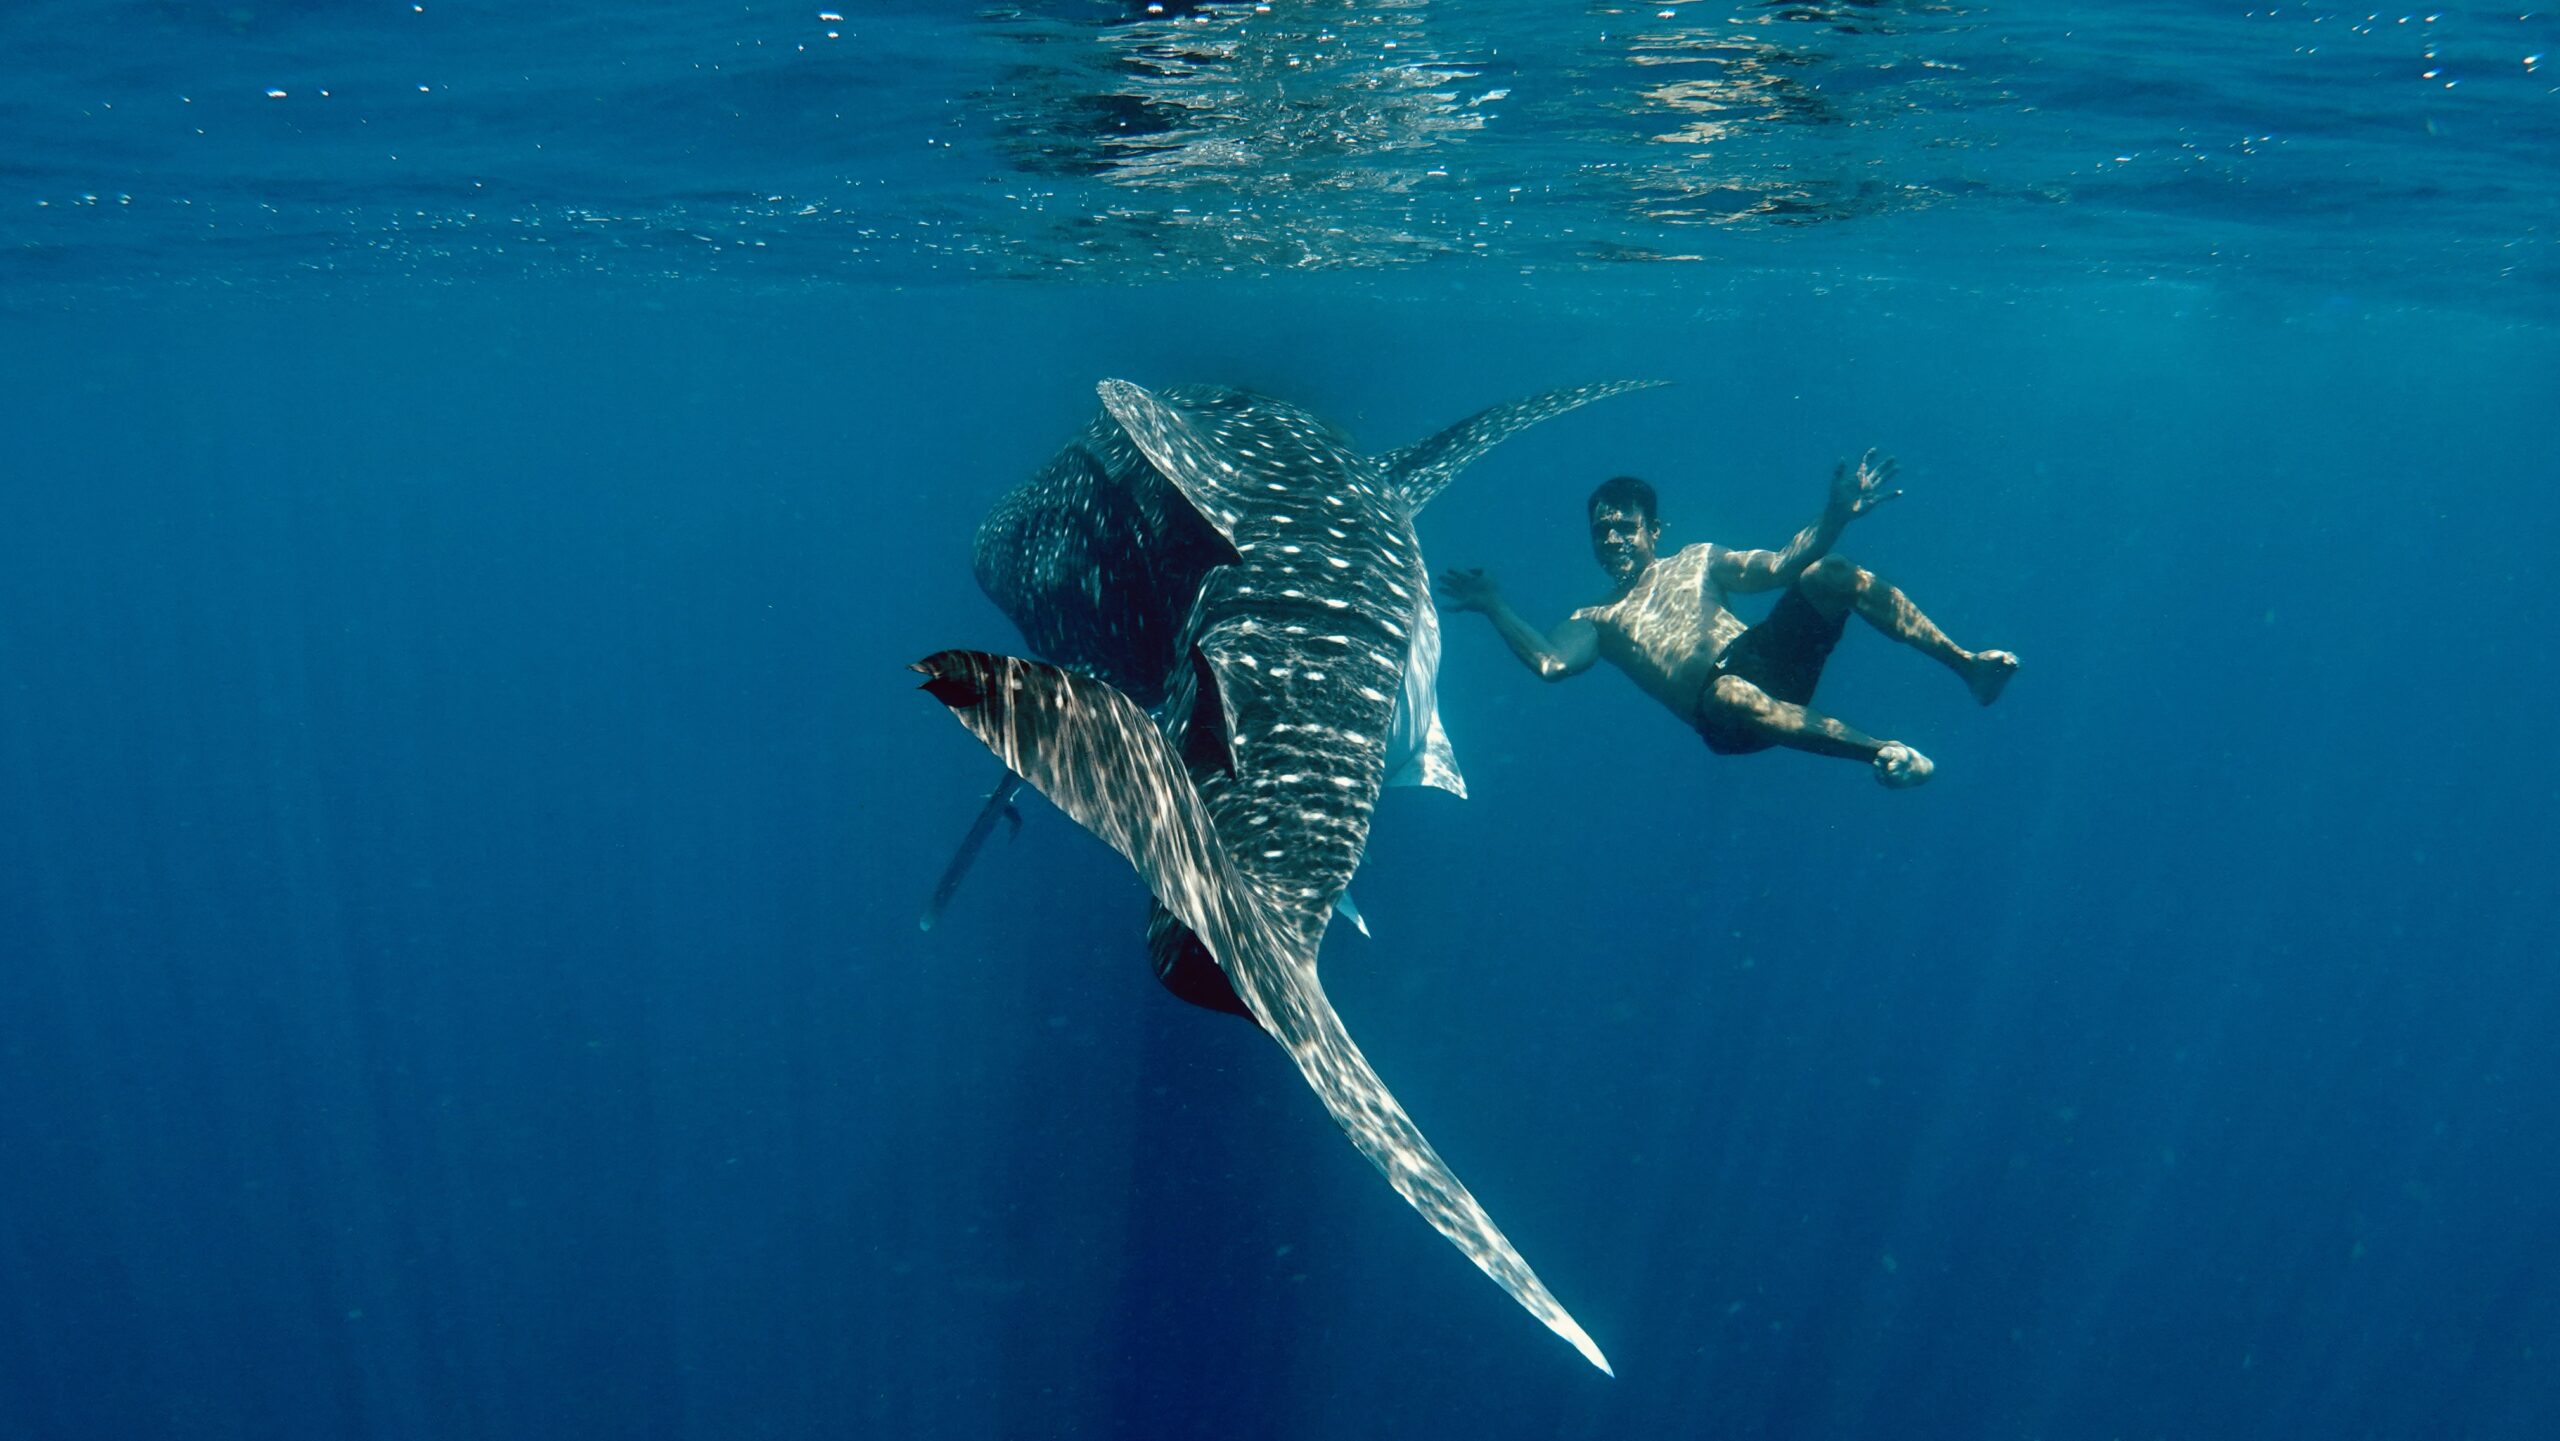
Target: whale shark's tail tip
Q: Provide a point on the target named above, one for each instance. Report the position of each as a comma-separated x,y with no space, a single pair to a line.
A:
1564,1326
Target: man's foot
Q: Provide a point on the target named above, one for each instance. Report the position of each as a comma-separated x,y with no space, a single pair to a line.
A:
1899,767
1987,674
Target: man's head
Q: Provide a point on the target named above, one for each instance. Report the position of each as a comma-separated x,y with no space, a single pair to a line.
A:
1623,527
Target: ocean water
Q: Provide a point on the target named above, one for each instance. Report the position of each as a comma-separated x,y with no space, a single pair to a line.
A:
471,478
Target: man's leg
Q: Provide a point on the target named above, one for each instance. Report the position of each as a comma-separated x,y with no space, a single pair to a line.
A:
1737,702
1834,586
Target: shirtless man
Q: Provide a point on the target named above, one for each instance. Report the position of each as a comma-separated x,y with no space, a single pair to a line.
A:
1745,688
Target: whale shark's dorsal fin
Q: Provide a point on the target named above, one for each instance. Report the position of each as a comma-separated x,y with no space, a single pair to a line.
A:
1178,451
1423,469
1094,753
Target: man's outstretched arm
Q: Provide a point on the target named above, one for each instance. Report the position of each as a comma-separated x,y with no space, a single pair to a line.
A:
1853,494
1570,650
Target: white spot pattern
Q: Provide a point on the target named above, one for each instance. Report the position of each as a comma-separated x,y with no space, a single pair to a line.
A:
1313,778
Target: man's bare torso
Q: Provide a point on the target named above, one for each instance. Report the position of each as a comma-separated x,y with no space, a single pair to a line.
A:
1670,629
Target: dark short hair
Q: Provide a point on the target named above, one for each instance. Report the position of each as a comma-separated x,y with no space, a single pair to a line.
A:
1627,493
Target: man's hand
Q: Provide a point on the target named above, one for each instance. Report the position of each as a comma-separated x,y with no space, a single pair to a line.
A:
1855,492
1569,652
1469,589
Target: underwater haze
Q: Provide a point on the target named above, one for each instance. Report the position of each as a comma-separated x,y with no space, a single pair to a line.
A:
472,478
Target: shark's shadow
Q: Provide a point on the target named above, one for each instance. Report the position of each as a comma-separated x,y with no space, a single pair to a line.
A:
1240,651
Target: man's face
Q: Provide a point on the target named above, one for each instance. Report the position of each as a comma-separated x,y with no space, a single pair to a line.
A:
1622,541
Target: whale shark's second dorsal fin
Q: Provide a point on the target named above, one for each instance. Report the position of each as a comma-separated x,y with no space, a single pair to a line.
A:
1423,469
1094,753
1349,910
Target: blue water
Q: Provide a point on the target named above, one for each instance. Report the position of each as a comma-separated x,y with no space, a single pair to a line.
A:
463,817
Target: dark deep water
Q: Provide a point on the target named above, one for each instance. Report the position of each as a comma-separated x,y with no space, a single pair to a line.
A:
463,815
465,819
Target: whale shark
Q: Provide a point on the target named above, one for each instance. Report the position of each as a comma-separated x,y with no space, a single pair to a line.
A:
1239,650
1097,559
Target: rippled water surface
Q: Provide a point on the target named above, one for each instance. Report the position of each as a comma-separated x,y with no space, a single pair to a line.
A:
2297,144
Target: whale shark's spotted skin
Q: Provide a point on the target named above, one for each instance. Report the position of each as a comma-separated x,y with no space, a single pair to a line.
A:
1096,559
1245,801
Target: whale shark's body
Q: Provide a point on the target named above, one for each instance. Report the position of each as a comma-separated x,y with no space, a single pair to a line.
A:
1097,559
1278,622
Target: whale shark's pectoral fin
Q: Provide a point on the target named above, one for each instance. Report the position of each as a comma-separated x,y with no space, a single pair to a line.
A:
1423,469
1435,764
1418,750
999,806
1099,758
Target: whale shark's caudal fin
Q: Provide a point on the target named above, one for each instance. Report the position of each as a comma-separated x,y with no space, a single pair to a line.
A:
1094,753
1303,1021
1423,469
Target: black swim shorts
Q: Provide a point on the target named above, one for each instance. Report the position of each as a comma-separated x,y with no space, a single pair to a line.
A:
1783,655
